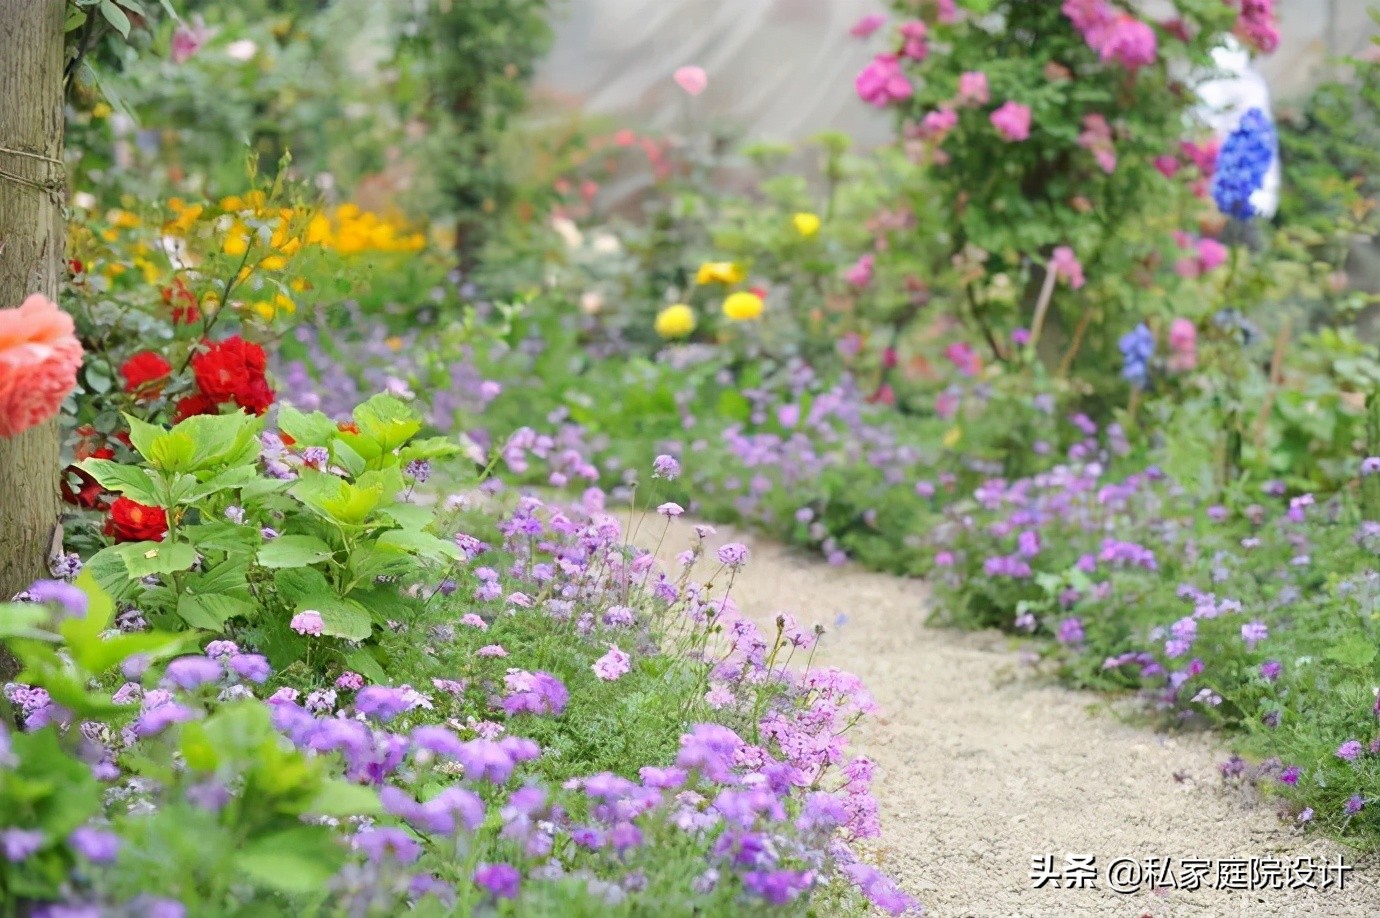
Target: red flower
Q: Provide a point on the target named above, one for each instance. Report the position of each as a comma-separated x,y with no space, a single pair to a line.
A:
233,371
183,303
130,521
145,373
192,405
286,438
347,427
79,488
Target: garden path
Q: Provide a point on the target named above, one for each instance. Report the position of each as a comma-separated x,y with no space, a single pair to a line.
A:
981,767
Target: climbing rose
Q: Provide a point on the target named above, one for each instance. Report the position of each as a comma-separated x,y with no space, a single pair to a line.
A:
883,82
1012,122
1067,267
865,26
131,521
39,357
145,373
1096,138
692,79
972,88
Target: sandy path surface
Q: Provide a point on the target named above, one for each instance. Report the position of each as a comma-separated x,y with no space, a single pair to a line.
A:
982,768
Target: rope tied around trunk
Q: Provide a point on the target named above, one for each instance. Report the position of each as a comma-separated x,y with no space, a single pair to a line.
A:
53,184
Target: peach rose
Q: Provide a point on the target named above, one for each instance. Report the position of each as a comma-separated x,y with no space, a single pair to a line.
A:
39,357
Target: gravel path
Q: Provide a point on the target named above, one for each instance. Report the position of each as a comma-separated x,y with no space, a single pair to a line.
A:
981,767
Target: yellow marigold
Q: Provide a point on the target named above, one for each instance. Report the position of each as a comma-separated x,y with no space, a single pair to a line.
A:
123,219
269,310
743,305
722,272
675,321
806,225
237,241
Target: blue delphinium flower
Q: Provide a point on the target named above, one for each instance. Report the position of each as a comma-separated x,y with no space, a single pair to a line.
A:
1137,347
1241,166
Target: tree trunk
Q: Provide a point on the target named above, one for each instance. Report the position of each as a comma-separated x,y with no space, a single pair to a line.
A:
31,261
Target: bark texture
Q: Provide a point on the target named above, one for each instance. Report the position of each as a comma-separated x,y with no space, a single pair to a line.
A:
31,259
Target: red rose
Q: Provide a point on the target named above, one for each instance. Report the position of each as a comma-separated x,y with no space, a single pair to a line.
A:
192,405
130,521
233,371
145,373
183,303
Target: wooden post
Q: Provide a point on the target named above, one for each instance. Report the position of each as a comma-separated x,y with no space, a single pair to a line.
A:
31,261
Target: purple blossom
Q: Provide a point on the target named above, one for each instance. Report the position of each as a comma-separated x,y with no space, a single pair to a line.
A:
1350,751
189,673
96,845
734,555
20,844
500,880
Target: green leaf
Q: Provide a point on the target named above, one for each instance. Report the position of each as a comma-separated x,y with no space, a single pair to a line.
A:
410,516
1353,650
734,406
116,17
222,535
313,429
343,618
363,662
293,551
211,611
129,480
295,583
423,544
298,861
388,421
145,558
341,798
229,578
109,570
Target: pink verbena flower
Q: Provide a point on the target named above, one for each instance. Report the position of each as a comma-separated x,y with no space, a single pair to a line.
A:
1012,121
938,123
612,665
883,82
1257,24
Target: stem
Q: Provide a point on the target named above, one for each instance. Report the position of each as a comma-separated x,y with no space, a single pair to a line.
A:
1037,324
1066,364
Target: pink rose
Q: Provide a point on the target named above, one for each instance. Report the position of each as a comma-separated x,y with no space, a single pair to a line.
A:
883,82
937,124
39,357
973,89
1097,139
865,26
1168,166
1183,346
860,274
1211,253
914,34
187,40
692,79
964,358
1012,121
1067,267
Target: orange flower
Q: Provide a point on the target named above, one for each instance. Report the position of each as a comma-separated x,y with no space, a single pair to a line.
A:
39,357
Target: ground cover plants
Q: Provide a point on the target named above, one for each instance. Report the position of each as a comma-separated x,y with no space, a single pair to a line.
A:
348,615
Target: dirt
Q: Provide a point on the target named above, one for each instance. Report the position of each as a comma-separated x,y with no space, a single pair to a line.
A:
983,766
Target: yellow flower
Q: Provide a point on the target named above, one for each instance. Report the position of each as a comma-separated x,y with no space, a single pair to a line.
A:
952,437
273,263
806,225
100,110
237,242
675,321
722,272
742,306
